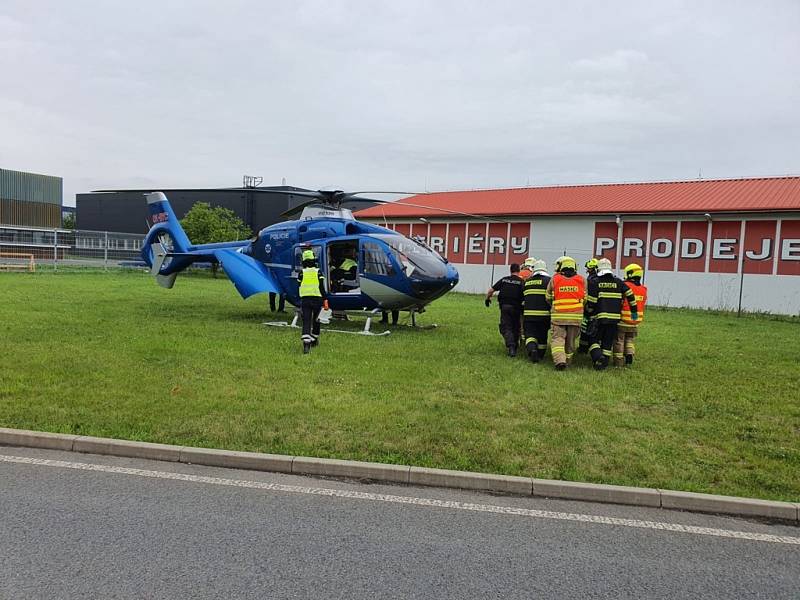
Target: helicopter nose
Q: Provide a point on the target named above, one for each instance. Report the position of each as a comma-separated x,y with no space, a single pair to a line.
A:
430,289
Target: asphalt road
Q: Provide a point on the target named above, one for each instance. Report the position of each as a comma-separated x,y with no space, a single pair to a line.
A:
113,532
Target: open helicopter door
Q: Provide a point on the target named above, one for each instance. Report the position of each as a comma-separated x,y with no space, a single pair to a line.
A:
344,268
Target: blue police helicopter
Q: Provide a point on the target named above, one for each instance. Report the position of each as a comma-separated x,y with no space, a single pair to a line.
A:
366,267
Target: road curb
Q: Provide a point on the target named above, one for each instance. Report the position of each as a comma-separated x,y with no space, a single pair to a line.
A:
408,475
128,449
597,492
329,467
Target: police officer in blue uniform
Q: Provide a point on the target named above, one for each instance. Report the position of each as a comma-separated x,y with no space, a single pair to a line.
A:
510,299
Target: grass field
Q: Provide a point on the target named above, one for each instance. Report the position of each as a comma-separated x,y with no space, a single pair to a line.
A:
711,405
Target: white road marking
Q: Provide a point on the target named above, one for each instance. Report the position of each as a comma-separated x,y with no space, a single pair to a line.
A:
430,502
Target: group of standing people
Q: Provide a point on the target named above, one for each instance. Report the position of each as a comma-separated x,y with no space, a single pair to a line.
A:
598,315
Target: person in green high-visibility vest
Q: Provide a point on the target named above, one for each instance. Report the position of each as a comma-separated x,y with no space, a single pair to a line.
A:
312,299
345,270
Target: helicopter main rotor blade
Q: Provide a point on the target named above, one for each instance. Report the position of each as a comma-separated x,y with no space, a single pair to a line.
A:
299,208
443,210
308,194
398,193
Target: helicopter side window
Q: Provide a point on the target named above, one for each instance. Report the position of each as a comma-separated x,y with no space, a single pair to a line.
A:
343,263
376,261
298,256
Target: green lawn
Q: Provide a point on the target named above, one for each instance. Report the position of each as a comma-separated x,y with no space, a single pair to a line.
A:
712,404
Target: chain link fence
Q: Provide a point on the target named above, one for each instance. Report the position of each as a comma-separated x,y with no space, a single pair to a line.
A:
28,249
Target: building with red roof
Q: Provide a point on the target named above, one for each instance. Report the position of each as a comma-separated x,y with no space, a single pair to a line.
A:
705,243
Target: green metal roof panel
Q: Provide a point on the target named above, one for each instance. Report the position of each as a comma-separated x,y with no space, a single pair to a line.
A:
17,185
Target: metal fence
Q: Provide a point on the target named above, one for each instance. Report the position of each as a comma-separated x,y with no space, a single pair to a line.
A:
26,248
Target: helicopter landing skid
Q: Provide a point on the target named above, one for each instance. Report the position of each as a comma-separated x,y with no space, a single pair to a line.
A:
365,331
414,322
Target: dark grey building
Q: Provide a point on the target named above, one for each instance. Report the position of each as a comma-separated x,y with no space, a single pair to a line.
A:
30,199
126,210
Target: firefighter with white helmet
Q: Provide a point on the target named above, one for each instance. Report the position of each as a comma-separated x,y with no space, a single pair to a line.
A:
604,297
527,267
536,311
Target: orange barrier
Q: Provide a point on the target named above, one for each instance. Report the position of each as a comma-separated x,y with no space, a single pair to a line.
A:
30,266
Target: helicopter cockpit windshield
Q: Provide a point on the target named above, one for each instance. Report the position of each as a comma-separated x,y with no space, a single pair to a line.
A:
416,259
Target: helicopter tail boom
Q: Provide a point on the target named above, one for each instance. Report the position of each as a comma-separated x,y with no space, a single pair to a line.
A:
166,248
163,218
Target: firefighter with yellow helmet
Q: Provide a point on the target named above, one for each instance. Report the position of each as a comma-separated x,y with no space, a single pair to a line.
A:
591,275
565,293
312,299
628,328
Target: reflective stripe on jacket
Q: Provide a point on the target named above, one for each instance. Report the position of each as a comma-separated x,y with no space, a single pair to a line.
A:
567,297
309,285
347,264
640,293
536,305
604,298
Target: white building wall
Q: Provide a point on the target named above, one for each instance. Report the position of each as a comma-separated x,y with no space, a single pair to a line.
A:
551,237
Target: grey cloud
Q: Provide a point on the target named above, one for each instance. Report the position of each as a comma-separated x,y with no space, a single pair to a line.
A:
365,94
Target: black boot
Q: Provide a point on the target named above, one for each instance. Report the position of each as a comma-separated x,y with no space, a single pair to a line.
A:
561,367
512,351
629,359
306,347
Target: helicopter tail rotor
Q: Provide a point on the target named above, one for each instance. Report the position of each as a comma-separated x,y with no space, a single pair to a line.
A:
165,239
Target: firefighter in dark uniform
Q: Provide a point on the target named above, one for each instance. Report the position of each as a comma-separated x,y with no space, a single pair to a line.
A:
591,274
312,299
536,312
510,299
604,304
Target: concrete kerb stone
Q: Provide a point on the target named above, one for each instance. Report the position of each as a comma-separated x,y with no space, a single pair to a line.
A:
596,492
329,467
37,439
232,459
505,484
710,503
129,449
690,501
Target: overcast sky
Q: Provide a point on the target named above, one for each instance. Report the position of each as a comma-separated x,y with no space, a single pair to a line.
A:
398,95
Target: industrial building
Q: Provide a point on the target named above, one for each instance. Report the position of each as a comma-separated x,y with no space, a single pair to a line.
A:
30,199
721,244
126,210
